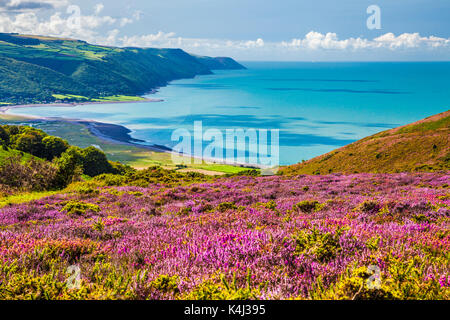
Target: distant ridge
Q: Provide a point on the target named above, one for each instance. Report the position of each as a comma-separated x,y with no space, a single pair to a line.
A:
220,63
34,69
419,146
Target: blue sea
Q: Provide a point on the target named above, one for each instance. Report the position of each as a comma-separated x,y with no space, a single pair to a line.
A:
317,107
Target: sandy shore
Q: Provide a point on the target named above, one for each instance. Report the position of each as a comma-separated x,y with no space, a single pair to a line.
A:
115,133
119,134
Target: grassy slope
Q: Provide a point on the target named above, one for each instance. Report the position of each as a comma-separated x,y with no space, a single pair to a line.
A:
21,79
34,69
5,154
25,197
420,146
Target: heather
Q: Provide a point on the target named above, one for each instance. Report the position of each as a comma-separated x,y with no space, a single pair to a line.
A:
146,236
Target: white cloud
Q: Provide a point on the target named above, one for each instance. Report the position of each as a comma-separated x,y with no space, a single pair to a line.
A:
313,41
313,46
56,25
125,21
62,25
104,29
316,41
410,40
158,39
252,44
170,40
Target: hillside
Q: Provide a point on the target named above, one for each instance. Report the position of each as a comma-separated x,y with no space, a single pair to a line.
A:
166,234
220,63
420,146
152,235
35,69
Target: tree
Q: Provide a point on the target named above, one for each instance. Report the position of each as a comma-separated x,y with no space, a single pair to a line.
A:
70,166
4,137
10,129
31,143
54,147
95,162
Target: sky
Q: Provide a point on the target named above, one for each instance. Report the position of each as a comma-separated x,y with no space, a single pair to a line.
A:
270,30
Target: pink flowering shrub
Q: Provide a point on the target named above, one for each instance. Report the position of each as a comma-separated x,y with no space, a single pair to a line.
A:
277,237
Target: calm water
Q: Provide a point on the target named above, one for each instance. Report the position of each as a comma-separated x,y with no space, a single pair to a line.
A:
316,106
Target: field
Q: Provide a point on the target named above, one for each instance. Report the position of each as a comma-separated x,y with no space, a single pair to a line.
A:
360,236
115,98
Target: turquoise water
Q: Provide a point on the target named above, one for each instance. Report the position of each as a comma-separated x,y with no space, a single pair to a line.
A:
317,107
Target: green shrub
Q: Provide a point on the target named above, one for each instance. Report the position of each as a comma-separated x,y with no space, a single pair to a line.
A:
225,206
271,205
98,225
109,180
212,289
185,211
35,175
158,175
356,287
321,246
166,284
249,173
120,169
80,208
307,206
368,206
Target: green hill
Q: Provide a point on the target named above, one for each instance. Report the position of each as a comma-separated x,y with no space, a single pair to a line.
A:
34,69
220,63
420,146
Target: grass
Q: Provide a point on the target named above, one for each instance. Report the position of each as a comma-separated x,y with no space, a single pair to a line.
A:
119,98
101,99
4,154
40,37
25,197
220,168
69,96
443,123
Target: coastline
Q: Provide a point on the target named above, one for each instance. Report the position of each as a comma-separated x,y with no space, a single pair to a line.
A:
113,133
108,132
4,109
